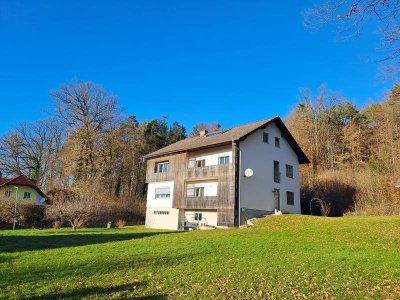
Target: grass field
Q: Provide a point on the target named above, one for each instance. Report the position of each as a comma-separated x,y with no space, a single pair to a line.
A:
281,257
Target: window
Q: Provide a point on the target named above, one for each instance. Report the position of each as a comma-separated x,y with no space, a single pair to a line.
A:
289,171
223,160
265,137
200,163
161,167
277,142
161,212
290,198
163,192
8,193
198,216
27,195
194,191
277,174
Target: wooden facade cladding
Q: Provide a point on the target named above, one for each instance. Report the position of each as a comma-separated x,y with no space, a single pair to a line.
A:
181,175
199,202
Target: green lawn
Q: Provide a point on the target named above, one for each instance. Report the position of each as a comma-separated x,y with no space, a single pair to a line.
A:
281,257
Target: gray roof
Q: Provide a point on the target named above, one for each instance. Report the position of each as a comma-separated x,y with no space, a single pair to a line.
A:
227,136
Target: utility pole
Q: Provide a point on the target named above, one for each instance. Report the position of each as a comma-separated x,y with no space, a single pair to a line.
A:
15,207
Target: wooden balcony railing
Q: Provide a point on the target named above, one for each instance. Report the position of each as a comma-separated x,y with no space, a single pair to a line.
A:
204,202
207,171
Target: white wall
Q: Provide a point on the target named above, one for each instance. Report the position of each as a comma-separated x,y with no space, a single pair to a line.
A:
162,221
151,194
256,192
208,217
211,156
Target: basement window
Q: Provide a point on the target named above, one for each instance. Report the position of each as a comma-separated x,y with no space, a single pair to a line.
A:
161,212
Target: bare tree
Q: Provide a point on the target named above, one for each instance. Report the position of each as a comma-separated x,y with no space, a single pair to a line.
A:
89,111
32,149
352,17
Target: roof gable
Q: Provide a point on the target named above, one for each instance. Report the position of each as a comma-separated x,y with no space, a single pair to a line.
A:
227,136
20,180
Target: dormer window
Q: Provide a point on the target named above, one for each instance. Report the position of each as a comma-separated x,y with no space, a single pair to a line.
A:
161,167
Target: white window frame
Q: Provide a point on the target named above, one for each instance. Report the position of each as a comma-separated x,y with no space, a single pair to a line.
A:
165,195
161,167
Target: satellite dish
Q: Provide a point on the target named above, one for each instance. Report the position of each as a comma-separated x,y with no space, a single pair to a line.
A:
248,173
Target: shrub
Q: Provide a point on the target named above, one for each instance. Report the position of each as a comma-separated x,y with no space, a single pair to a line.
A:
120,223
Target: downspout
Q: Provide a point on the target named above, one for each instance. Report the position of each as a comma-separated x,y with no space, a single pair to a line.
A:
238,165
239,176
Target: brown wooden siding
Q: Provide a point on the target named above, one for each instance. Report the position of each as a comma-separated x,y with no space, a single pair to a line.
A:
180,174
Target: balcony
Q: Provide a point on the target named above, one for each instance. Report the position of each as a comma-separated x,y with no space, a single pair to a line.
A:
208,171
205,202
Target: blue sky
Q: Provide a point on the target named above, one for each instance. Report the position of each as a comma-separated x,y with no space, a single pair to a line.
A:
194,61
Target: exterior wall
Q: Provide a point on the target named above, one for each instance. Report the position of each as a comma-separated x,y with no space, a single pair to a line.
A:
256,192
160,202
219,184
35,196
209,217
162,221
211,156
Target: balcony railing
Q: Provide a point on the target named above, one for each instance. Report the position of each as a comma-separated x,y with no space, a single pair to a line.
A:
203,202
207,171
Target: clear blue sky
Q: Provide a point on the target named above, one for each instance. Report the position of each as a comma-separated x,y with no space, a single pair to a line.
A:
193,61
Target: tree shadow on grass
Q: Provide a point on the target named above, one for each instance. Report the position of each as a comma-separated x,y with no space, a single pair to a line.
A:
123,291
18,243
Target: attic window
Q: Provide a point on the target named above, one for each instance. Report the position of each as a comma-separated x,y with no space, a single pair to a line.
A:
265,137
277,142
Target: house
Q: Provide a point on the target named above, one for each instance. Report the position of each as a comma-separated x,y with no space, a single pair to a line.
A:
224,178
21,188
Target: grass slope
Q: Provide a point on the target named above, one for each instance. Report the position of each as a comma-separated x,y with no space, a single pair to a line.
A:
281,257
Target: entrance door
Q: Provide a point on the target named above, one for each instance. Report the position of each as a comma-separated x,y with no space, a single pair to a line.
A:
277,199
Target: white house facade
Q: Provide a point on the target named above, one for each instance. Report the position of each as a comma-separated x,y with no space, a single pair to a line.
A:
221,179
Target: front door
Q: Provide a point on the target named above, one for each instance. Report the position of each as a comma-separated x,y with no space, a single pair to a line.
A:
277,200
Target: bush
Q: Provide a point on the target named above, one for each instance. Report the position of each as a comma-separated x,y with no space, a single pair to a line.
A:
86,207
365,192
28,213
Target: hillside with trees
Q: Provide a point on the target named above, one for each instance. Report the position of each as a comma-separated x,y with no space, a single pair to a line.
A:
89,153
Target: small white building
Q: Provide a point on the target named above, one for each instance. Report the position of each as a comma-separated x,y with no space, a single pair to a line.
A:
224,178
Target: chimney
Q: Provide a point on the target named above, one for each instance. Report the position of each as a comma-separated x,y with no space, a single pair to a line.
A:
203,133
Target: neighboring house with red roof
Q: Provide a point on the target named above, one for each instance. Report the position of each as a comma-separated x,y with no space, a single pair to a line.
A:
21,188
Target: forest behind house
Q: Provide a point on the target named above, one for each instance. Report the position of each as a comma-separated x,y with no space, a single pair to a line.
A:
88,156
